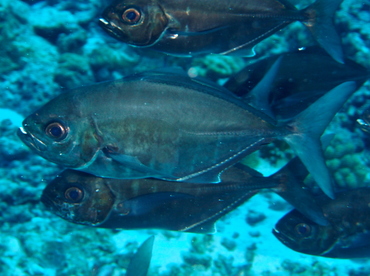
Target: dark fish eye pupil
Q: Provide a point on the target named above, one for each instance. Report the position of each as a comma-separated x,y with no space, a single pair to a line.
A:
56,130
131,16
74,194
303,229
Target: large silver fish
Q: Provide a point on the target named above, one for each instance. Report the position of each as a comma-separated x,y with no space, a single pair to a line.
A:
189,28
170,127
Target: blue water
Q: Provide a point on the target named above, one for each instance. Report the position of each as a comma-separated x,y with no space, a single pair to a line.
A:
49,46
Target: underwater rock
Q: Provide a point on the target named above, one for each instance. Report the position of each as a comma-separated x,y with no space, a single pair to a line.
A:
254,217
196,259
346,161
363,271
216,66
7,65
201,244
110,58
71,42
353,18
293,267
228,244
290,38
254,234
224,265
17,214
72,71
10,28
49,23
276,152
11,253
33,84
11,150
10,246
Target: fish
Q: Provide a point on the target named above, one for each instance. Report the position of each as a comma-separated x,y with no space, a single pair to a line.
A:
140,261
293,88
346,236
364,121
190,28
85,199
170,127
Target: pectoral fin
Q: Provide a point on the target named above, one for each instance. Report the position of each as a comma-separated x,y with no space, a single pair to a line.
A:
135,164
145,204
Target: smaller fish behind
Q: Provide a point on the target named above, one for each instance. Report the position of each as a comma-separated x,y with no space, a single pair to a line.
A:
188,28
346,236
293,88
149,203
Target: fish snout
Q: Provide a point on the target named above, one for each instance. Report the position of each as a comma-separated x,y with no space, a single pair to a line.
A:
279,236
47,201
103,22
30,140
113,29
364,125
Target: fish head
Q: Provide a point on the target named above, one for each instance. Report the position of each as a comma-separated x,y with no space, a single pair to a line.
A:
136,22
60,133
302,235
364,121
79,197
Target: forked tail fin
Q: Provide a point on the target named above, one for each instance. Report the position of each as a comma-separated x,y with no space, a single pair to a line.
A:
321,25
309,125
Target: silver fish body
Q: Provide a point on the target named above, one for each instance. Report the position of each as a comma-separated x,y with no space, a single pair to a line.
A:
142,127
170,127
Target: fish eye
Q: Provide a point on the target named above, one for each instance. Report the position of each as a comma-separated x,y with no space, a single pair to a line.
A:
131,15
303,229
56,130
74,194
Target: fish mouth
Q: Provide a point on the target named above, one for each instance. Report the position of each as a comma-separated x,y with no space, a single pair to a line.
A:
62,210
103,23
364,125
281,237
111,28
47,201
30,140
